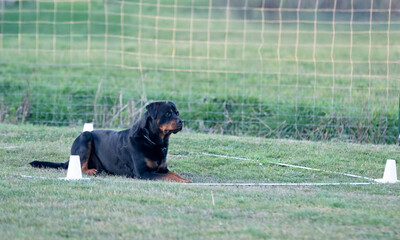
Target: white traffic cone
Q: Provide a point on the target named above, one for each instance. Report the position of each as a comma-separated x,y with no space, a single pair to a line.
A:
88,127
74,169
390,173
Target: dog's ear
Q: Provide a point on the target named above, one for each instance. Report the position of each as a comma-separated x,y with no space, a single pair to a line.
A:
153,107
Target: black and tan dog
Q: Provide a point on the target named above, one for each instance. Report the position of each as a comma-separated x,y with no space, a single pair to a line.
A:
138,152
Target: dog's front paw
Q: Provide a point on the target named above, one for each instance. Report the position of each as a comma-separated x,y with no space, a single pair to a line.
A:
187,181
91,172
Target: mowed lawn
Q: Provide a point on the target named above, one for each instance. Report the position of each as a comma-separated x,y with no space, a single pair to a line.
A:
109,207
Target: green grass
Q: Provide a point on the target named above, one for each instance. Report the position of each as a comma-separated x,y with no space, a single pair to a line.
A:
116,207
77,64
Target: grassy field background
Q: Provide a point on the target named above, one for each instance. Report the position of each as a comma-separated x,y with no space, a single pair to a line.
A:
65,63
115,207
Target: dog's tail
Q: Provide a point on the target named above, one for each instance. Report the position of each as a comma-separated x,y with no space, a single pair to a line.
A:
42,164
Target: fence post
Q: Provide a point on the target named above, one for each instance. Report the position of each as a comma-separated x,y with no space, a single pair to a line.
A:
398,132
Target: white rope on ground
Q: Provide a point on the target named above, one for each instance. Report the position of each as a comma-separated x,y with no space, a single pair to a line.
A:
222,184
290,165
11,147
279,184
37,177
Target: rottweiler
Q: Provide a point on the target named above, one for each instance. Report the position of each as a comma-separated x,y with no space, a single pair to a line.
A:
138,152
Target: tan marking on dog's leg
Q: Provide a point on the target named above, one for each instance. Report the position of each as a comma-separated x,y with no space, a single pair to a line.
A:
86,162
150,163
163,165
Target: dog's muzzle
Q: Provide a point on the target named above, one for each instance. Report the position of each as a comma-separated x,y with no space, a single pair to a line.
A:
179,125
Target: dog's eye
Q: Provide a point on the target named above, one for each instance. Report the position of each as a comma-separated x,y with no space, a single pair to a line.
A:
168,114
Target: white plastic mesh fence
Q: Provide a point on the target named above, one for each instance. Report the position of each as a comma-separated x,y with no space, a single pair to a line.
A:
308,69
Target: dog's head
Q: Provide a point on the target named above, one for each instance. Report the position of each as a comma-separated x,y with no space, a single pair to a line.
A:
164,117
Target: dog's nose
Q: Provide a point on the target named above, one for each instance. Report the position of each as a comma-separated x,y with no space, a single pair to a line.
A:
180,122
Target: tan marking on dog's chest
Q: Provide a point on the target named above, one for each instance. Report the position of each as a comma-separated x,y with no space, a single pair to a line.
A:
150,163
